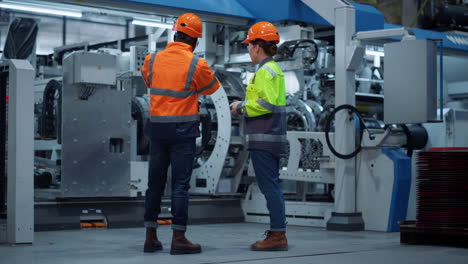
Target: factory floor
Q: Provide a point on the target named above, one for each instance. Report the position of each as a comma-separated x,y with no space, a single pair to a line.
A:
226,243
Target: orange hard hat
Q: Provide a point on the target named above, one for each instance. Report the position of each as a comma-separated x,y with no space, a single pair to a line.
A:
262,30
189,24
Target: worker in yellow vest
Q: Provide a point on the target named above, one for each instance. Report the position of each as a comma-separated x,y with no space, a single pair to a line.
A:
264,109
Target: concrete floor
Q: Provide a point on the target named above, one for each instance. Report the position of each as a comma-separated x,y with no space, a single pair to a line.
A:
226,243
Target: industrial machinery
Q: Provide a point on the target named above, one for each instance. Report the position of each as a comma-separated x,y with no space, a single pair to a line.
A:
351,118
100,91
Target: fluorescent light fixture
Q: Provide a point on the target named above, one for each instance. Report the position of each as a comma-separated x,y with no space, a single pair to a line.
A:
150,23
375,53
40,9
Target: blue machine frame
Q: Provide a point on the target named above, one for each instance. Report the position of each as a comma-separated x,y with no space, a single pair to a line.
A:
401,187
450,41
229,7
367,17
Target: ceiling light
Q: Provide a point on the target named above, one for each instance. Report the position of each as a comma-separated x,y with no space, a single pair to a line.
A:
30,7
150,23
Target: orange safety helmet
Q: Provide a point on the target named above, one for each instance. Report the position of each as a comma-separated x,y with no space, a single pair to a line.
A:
262,30
189,24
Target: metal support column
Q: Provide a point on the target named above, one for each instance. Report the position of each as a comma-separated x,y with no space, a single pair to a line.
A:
3,126
342,15
20,188
345,217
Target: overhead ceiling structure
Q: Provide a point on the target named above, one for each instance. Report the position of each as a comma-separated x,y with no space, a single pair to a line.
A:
234,12
40,8
231,12
219,11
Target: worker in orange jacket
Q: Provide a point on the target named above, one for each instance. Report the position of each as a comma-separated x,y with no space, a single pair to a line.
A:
175,77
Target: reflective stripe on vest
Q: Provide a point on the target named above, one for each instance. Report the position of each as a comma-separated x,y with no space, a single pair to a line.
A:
171,93
266,67
270,70
174,119
209,86
191,71
150,74
179,94
266,138
273,108
176,94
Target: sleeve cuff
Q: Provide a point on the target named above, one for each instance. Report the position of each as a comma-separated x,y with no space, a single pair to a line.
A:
241,110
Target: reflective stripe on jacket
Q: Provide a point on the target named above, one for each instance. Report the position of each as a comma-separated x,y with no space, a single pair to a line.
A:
265,109
175,77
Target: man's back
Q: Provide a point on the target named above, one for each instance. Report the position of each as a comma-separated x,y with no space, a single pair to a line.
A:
175,77
172,67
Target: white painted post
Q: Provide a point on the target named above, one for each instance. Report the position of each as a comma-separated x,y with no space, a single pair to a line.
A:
344,127
20,174
342,15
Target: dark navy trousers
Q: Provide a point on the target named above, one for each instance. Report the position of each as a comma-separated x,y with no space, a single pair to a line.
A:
266,167
180,154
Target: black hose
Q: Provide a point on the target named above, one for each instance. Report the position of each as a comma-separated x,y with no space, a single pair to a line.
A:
306,41
205,121
351,110
21,38
48,127
143,144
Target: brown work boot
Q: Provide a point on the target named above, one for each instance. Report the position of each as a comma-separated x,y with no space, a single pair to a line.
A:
152,243
274,241
181,245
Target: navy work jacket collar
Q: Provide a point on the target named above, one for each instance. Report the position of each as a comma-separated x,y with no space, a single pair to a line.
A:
265,60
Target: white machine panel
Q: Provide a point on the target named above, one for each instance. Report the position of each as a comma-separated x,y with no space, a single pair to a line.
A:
20,130
410,82
94,68
374,189
451,132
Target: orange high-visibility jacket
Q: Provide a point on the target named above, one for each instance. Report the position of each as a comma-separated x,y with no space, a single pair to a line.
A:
175,77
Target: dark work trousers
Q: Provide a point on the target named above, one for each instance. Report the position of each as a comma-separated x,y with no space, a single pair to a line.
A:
266,167
180,154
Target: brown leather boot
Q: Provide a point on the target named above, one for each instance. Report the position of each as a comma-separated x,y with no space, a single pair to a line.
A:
181,245
152,243
274,241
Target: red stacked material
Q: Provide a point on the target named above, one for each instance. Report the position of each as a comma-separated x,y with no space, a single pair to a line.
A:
442,189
